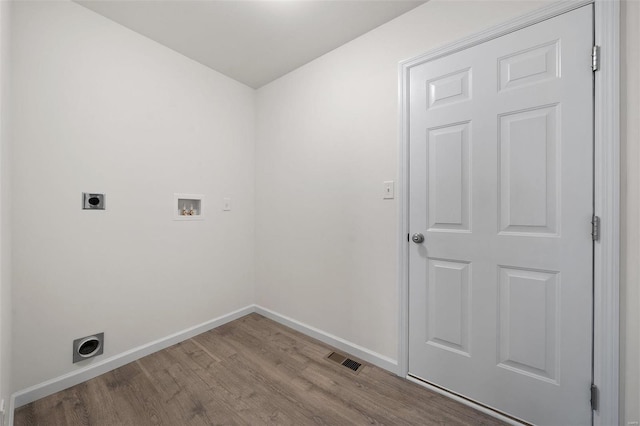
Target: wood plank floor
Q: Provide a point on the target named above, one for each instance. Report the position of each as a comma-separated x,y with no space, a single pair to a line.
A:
251,371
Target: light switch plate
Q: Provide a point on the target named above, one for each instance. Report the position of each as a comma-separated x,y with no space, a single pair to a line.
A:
388,190
226,204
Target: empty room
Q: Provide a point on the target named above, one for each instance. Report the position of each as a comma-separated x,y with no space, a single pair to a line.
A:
329,212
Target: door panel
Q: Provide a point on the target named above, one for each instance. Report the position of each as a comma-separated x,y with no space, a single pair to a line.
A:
528,170
501,171
448,194
528,300
448,305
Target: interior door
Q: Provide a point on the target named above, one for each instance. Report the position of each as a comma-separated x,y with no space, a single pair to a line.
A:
501,188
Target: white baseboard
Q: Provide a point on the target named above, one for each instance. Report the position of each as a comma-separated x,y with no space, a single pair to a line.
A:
65,381
9,414
344,345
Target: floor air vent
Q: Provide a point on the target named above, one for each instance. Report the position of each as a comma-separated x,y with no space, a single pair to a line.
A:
344,361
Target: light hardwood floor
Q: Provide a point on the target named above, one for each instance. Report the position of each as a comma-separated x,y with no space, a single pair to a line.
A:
251,371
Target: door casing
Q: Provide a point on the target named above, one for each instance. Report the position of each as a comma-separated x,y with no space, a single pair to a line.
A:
606,192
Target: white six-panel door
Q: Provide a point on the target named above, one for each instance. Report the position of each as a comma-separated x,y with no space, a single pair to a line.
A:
501,187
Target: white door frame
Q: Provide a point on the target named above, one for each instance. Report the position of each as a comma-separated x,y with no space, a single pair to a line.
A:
606,190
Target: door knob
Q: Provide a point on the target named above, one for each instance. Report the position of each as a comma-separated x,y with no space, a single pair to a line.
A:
417,238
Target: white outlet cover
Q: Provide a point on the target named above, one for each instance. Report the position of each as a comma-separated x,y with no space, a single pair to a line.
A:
226,204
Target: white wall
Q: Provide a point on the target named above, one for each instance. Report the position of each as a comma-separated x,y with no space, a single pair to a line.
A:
5,230
97,107
630,234
154,123
327,137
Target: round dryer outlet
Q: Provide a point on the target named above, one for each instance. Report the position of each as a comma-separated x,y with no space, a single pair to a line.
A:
88,347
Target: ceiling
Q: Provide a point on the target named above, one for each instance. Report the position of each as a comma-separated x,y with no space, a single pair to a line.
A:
254,42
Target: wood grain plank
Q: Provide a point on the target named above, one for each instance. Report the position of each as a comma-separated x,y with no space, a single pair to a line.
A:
251,371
